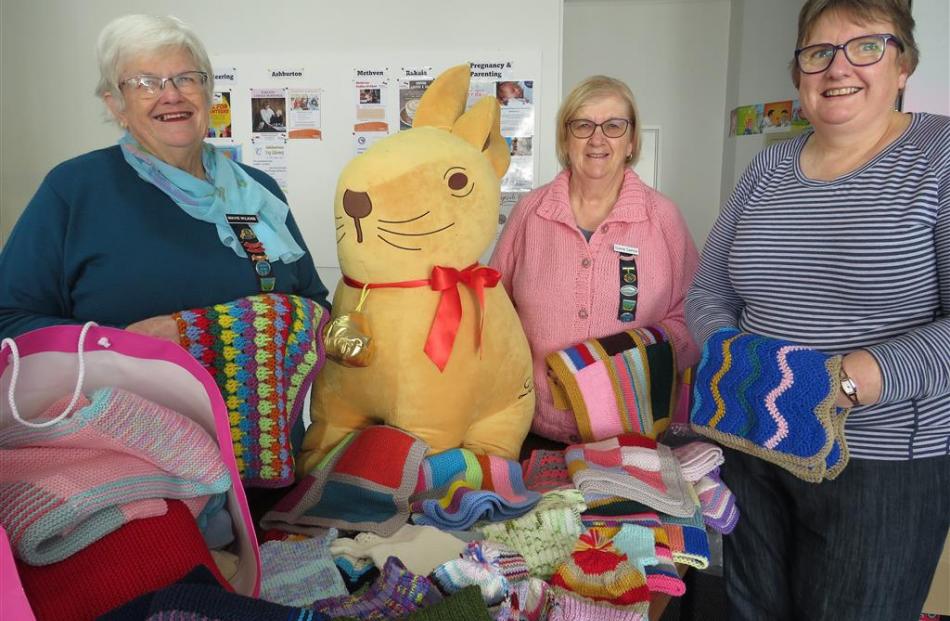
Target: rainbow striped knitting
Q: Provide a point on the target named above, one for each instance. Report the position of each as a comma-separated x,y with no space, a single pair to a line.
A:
773,399
263,352
617,384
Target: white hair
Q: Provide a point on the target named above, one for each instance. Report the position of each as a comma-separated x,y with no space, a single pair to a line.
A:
134,35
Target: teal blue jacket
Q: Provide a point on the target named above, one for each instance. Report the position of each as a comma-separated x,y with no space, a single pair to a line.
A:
98,243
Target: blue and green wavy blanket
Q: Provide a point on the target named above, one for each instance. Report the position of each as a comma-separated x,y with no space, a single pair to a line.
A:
773,399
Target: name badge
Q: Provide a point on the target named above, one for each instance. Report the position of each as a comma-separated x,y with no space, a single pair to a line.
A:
629,250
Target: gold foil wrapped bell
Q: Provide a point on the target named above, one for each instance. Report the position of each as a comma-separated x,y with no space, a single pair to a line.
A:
348,339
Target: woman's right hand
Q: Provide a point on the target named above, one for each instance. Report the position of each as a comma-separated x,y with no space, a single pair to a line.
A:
162,327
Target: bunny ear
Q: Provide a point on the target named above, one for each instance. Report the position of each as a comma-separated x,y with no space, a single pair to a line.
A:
480,126
444,100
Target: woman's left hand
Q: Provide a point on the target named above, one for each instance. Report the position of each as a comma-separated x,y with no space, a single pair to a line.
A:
161,327
861,367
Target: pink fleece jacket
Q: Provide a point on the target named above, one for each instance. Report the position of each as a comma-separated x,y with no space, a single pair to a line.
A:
567,290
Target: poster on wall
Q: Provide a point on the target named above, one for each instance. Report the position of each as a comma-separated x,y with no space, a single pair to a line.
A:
748,120
219,122
410,93
520,175
269,113
777,116
370,86
270,155
413,82
304,116
516,98
516,105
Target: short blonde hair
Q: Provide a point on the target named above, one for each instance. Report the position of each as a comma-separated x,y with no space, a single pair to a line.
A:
133,35
897,12
596,87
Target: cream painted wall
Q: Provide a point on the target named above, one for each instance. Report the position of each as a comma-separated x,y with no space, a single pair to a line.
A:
928,90
761,40
674,56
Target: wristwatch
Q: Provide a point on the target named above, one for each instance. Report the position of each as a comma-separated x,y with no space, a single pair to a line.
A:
849,387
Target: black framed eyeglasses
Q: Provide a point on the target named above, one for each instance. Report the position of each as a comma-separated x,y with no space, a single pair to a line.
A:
187,82
585,128
860,52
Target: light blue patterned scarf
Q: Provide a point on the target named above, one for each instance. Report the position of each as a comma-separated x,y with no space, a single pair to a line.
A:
227,190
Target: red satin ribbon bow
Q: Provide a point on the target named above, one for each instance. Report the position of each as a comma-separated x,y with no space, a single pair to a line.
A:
448,314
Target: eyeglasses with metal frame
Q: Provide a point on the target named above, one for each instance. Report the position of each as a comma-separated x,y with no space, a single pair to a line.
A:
860,52
585,128
151,85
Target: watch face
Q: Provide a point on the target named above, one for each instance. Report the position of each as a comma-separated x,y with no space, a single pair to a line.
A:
848,386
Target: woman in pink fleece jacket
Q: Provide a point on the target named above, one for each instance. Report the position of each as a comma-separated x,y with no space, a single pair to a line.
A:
596,251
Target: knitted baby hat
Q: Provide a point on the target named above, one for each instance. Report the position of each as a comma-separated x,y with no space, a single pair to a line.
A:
491,566
597,570
144,555
263,352
297,573
113,460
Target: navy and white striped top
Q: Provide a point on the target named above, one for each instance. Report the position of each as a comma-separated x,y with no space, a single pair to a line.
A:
859,262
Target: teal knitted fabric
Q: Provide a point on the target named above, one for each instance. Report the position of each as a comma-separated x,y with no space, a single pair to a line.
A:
773,399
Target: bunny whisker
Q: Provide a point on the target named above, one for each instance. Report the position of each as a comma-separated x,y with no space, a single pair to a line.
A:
340,227
341,237
396,245
404,221
418,234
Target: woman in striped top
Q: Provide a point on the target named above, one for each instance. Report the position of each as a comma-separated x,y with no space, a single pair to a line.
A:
840,240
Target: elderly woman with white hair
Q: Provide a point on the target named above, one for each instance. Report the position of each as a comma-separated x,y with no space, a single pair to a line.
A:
127,235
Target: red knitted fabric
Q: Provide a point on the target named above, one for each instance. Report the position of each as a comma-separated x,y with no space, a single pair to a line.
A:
144,555
598,571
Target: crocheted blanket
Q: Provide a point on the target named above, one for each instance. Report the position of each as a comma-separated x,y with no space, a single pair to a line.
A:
617,384
263,352
631,466
457,488
363,484
773,399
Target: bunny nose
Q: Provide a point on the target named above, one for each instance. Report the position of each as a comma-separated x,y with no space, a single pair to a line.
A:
357,205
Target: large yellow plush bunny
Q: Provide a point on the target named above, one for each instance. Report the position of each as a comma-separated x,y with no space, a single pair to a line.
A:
451,364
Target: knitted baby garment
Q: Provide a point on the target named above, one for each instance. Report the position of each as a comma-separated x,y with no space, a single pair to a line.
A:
772,399
113,460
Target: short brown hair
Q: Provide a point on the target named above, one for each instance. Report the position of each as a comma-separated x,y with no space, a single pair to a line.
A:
897,12
596,87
